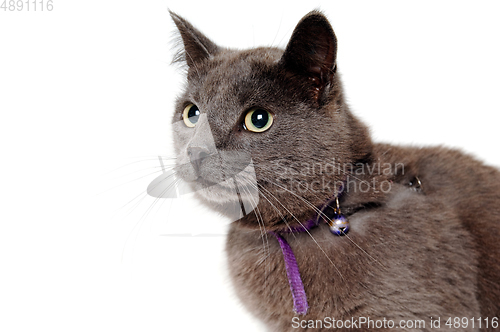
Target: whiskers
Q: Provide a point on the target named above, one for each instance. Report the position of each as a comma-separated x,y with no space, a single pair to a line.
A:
321,214
281,210
300,223
249,191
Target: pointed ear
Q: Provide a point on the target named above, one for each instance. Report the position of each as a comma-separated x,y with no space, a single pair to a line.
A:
197,47
311,53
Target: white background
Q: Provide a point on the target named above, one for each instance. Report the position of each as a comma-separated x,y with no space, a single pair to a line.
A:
86,96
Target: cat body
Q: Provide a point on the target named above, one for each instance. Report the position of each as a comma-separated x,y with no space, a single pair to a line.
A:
424,222
416,255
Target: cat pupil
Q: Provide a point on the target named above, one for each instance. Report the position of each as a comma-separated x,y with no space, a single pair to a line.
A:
260,118
194,114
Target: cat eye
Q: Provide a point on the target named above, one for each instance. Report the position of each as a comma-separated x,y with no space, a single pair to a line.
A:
258,120
190,115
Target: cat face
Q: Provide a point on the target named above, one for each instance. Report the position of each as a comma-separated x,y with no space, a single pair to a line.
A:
263,129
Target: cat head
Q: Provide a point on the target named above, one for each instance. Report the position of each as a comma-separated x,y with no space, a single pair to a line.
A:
263,129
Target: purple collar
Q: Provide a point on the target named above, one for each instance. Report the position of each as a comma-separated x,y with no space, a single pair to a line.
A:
338,226
300,305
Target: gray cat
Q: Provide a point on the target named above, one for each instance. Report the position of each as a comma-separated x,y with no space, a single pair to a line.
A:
332,231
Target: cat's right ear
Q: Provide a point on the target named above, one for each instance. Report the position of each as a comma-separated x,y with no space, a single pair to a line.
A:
197,47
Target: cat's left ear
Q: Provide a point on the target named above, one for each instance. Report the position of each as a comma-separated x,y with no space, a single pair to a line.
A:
197,47
311,53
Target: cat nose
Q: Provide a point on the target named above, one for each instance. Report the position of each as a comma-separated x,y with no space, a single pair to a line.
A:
196,155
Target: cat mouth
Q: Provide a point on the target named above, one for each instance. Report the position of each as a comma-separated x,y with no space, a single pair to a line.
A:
227,191
223,187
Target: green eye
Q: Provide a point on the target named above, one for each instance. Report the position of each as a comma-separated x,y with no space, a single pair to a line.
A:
190,115
258,120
